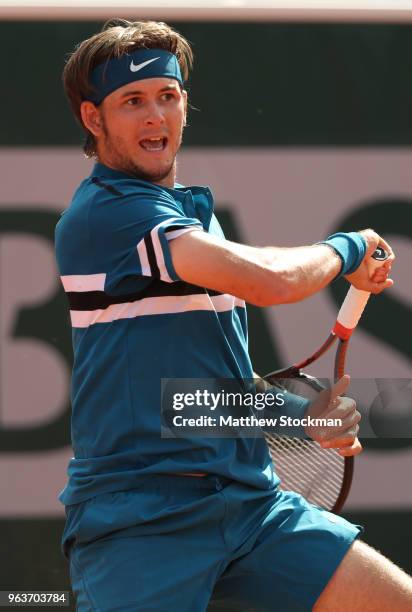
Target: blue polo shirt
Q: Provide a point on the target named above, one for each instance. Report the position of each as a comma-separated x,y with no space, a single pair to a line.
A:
135,322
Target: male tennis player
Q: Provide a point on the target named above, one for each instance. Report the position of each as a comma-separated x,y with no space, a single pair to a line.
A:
155,291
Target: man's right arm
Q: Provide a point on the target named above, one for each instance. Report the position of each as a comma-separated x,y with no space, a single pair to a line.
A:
268,276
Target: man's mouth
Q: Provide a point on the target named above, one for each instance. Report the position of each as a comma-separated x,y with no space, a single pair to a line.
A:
153,144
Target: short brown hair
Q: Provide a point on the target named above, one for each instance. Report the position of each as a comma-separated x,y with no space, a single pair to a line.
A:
117,37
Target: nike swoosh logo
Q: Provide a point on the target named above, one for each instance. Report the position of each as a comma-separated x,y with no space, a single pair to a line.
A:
136,68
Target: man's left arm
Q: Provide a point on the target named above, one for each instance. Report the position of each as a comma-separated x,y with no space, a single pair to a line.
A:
329,404
285,404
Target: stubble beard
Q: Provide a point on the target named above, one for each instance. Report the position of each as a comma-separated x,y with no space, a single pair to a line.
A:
122,162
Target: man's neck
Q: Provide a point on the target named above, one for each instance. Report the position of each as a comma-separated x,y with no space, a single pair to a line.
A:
167,181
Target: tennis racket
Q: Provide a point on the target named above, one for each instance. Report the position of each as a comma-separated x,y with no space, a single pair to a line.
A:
321,475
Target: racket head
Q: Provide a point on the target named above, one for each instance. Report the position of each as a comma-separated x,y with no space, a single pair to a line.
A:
321,476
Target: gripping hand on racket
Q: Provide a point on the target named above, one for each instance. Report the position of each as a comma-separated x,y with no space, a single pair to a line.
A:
331,405
373,280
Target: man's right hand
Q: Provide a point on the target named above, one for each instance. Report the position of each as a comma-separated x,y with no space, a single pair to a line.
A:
368,277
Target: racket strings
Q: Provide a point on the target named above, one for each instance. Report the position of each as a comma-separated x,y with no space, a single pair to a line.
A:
320,475
306,468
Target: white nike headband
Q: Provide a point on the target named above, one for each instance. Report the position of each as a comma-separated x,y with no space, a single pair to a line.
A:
141,64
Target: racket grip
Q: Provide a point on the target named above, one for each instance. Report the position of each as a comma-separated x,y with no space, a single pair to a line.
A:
350,312
355,301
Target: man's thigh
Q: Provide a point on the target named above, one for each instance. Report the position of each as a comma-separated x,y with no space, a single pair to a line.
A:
292,560
145,573
366,581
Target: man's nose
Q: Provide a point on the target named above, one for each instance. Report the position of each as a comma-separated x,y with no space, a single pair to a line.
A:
154,114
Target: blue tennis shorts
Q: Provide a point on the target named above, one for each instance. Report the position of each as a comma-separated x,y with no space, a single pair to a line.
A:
191,544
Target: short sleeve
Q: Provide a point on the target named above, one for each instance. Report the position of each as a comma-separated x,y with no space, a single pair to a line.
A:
131,234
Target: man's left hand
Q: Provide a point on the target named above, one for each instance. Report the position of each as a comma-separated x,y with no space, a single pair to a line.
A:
330,405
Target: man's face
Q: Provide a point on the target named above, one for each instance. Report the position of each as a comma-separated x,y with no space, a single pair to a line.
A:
141,127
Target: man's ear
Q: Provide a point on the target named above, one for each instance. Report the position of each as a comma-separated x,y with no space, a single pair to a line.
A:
91,117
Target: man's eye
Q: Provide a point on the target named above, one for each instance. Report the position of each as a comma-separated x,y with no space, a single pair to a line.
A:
167,97
133,101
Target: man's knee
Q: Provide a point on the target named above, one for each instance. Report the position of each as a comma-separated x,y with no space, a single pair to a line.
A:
366,580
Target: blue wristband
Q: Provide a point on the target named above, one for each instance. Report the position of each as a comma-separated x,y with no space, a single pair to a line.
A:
351,248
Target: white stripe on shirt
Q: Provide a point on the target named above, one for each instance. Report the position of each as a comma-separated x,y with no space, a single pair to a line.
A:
155,306
83,282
